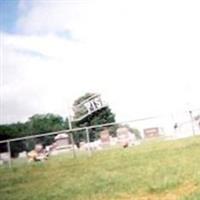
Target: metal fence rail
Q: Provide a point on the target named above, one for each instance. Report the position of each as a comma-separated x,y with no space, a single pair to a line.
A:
76,129
89,135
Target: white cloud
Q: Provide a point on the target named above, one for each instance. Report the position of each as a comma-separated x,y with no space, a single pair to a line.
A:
49,16
142,56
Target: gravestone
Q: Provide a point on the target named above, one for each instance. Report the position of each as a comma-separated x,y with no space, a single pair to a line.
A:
105,138
61,144
61,141
22,154
152,132
125,137
4,157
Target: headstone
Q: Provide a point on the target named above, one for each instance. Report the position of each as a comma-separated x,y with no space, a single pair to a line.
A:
38,148
61,144
5,157
151,132
105,138
1,162
22,154
61,141
125,137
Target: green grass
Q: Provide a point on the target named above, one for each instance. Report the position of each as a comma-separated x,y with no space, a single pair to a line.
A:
165,170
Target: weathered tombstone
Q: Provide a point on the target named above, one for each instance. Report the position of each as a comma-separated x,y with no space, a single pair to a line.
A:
4,157
82,145
61,144
22,154
125,137
61,141
38,148
1,162
105,138
153,132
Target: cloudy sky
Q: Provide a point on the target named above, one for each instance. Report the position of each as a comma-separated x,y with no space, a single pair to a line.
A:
142,56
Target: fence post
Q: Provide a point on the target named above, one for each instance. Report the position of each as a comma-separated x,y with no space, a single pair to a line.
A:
192,122
73,146
9,154
88,141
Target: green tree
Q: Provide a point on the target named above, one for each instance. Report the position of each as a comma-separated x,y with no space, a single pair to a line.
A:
102,116
45,123
10,131
37,124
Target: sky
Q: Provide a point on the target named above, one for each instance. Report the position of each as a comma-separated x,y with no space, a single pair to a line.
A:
143,56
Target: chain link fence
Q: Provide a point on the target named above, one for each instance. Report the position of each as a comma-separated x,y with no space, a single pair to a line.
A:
88,140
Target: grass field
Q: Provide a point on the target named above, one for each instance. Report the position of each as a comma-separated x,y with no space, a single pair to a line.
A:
167,170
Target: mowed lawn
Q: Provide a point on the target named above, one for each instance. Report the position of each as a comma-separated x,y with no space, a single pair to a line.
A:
165,170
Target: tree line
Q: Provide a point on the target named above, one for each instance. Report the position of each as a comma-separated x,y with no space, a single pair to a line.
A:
37,124
44,123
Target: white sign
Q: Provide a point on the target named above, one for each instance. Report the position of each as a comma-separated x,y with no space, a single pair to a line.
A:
94,104
89,106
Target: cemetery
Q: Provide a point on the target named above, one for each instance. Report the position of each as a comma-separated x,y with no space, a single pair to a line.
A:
62,144
99,100
137,160
120,174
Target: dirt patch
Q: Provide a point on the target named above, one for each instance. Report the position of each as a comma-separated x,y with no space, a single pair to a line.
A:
183,190
186,189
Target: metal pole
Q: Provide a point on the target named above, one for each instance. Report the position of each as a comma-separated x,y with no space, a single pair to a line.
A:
88,141
69,120
193,129
71,134
73,146
9,154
